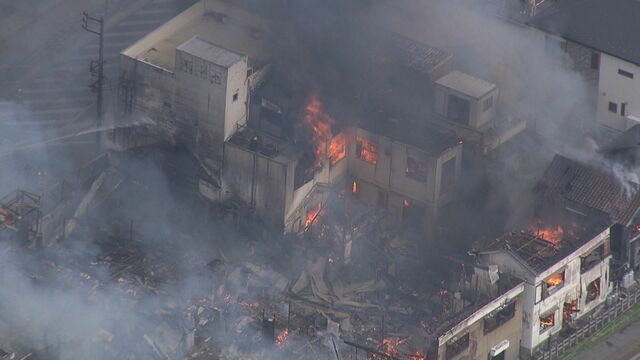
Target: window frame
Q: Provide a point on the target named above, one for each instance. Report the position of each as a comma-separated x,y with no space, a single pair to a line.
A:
625,73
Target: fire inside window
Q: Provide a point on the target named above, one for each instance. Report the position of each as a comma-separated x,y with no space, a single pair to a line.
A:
416,169
367,151
337,148
553,283
547,322
312,215
354,187
593,290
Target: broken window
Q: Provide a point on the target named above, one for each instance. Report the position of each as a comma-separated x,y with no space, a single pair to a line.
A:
613,107
235,97
568,310
547,322
499,317
593,290
593,258
457,345
416,169
458,109
487,104
367,151
595,60
554,282
448,177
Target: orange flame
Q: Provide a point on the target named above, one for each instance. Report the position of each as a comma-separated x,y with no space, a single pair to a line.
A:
389,348
418,356
368,151
551,234
320,123
546,321
312,215
354,187
555,279
282,337
337,148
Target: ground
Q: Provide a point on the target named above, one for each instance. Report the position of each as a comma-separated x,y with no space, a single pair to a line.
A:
617,341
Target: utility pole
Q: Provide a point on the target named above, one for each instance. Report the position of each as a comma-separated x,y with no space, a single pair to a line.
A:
96,26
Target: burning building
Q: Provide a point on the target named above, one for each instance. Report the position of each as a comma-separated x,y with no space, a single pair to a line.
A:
558,268
580,187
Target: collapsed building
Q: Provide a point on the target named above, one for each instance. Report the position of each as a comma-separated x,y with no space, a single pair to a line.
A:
202,81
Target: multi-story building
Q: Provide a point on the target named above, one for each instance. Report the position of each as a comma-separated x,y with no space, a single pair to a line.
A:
490,327
605,49
565,268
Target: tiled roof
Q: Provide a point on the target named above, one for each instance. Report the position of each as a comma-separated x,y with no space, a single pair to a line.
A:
594,187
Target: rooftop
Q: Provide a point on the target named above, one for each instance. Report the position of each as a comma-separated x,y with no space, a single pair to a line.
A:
203,49
466,84
593,187
610,26
426,137
213,21
541,247
415,55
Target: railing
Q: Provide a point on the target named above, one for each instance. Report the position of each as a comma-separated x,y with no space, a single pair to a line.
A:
599,321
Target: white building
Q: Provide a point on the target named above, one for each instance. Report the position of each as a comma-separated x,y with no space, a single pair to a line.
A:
565,277
603,47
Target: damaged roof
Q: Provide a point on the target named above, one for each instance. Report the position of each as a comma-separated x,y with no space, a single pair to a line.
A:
415,55
593,187
584,22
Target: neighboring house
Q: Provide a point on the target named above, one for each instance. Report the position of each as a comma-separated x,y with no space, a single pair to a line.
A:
489,329
601,37
579,187
565,271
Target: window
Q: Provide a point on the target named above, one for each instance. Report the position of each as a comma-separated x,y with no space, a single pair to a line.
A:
487,104
337,148
416,169
458,109
448,177
547,322
595,60
497,318
623,109
613,107
593,258
593,290
366,151
457,345
538,293
553,283
625,73
235,97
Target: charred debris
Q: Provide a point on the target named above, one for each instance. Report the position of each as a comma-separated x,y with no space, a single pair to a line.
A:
248,207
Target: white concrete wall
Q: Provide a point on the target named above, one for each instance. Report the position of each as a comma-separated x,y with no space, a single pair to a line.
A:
618,89
477,117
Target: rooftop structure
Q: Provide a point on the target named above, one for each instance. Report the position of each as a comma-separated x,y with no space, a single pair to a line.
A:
213,21
541,246
593,187
466,84
584,22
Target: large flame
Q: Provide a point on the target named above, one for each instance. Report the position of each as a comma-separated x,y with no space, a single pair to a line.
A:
320,123
337,148
550,233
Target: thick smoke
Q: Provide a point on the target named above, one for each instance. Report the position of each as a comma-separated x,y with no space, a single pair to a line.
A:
318,46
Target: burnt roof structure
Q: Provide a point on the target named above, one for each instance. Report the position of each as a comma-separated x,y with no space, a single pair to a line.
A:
593,187
584,22
538,253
